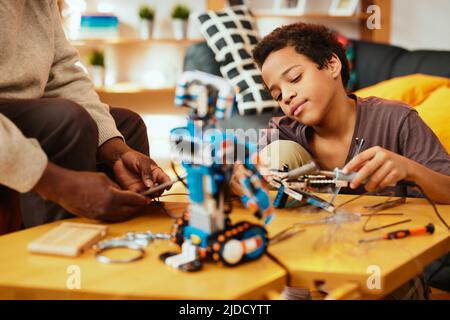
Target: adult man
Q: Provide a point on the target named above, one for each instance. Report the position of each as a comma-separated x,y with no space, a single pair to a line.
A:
46,96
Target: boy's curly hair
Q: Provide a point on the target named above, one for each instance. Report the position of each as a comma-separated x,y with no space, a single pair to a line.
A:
316,42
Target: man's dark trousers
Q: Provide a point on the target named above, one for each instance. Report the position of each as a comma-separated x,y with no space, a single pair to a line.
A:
69,137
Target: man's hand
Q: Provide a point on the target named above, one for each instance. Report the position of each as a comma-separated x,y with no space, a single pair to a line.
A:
136,172
88,194
133,170
379,168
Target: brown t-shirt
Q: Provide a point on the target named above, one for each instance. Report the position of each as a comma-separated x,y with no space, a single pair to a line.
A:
389,124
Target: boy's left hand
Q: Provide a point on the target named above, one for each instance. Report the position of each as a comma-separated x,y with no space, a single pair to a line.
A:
378,168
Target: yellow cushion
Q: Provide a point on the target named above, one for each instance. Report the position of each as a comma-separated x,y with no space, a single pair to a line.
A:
412,89
435,111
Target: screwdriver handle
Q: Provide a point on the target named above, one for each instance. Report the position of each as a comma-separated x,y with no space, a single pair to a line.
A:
399,234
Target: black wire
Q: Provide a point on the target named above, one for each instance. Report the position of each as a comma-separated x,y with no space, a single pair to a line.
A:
161,205
286,269
172,165
431,202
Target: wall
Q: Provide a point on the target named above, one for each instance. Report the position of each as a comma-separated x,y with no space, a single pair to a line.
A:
147,64
157,65
415,24
418,24
265,25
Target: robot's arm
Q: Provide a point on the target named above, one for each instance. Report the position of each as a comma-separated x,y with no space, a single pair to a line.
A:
255,194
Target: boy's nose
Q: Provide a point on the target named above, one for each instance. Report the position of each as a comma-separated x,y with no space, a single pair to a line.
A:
289,96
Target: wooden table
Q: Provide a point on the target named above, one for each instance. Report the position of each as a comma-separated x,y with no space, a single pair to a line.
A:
330,254
339,263
29,276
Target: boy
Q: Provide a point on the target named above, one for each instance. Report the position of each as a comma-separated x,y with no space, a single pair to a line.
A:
306,70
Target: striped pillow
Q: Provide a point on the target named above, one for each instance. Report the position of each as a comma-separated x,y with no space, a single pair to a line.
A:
231,35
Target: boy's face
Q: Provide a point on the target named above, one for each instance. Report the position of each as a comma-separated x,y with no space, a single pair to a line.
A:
302,90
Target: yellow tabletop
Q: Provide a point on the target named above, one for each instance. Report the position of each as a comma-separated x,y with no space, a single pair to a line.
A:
327,254
30,276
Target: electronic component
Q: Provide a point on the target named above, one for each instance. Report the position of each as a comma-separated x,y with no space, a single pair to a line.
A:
68,239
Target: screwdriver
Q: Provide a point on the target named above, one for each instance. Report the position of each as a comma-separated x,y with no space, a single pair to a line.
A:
162,186
400,234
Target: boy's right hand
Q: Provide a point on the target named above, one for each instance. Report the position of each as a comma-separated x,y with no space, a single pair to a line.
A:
89,194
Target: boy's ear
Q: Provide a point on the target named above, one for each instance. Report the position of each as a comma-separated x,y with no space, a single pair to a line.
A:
335,66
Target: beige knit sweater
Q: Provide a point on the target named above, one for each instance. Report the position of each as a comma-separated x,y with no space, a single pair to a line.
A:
37,61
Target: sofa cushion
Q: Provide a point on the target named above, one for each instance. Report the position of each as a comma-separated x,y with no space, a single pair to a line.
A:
199,57
435,111
231,35
412,89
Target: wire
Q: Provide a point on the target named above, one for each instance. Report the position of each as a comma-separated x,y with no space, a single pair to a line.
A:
283,266
161,205
172,165
173,194
388,193
365,229
350,200
412,184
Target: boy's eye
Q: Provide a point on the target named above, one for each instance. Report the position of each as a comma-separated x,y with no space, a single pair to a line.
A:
297,78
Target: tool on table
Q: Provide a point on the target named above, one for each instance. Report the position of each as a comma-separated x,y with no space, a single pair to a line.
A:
162,186
301,183
300,226
285,234
375,208
400,234
366,229
385,204
131,240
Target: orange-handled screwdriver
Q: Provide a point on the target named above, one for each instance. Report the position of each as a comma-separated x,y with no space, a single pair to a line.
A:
400,234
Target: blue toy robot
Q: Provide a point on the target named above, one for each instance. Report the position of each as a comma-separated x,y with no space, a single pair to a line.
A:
208,155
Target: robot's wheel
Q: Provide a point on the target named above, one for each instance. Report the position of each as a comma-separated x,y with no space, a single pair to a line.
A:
262,233
232,252
192,266
166,255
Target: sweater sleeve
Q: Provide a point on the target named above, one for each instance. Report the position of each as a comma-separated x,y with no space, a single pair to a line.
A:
22,161
69,81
